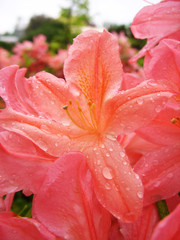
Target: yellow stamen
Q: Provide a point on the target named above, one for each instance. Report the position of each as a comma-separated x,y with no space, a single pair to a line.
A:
72,119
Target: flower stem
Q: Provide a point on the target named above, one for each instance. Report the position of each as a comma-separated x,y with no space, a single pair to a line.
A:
162,209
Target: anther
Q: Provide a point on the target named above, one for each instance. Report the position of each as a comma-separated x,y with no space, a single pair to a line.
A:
65,107
176,121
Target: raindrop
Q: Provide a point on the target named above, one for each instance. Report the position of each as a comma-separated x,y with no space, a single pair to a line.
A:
111,137
102,146
44,128
122,154
107,186
110,149
137,176
98,162
140,101
157,184
65,124
107,173
158,108
56,144
170,175
152,83
124,163
95,149
107,154
42,144
140,194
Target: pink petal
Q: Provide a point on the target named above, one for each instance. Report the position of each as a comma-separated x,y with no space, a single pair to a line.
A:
160,173
163,62
169,227
93,66
161,130
66,204
142,229
47,135
116,185
136,107
17,228
48,95
23,166
156,22
13,89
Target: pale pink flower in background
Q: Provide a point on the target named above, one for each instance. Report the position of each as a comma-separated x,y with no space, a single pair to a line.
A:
84,113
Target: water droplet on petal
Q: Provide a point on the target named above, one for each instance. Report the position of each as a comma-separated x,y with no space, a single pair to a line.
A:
111,150
94,148
102,146
43,145
157,184
107,186
140,101
122,154
137,176
107,154
158,108
170,175
124,163
140,194
107,173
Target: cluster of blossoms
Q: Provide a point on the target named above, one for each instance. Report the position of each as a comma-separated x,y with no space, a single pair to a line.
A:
35,56
101,147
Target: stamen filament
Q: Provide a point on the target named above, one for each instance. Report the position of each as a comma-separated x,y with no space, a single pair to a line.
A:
72,119
83,117
92,114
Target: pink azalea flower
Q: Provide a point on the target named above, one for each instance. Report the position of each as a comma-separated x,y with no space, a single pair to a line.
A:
155,23
169,227
85,113
160,169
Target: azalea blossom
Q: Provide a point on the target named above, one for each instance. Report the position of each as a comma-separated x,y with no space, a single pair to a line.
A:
84,113
160,168
155,23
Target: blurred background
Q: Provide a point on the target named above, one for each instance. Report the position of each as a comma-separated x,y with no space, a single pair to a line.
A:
61,20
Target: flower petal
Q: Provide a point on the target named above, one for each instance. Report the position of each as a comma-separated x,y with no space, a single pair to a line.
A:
160,173
48,95
142,229
169,227
136,107
116,185
23,166
13,89
163,62
18,228
72,210
161,130
93,66
156,22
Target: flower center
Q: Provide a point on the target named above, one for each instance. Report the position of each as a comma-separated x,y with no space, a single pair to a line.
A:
79,118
